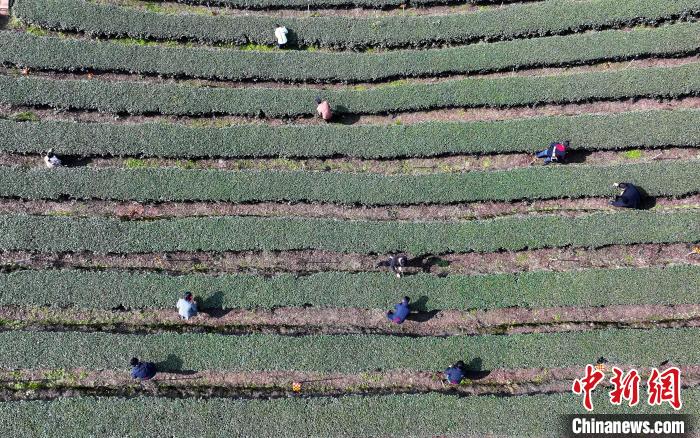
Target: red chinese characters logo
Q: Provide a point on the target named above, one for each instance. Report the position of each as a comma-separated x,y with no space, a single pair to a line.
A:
626,387
661,386
665,387
586,385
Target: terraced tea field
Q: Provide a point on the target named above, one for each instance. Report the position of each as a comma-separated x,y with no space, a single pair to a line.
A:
193,160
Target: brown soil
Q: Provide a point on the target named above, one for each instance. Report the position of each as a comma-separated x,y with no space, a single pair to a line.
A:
558,260
452,114
407,166
311,321
267,384
466,211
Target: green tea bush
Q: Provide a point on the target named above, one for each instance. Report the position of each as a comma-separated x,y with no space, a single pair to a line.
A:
591,287
670,178
535,416
343,353
48,234
524,20
680,128
145,98
49,53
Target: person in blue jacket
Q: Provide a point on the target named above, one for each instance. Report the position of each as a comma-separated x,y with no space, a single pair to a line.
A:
629,198
455,374
142,370
400,312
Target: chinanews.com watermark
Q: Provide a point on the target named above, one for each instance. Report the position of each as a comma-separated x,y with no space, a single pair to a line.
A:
663,388
628,426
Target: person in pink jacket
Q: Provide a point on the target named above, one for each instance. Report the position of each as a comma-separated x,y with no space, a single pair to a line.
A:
324,109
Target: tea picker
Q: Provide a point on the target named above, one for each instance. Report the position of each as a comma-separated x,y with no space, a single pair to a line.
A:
400,312
51,160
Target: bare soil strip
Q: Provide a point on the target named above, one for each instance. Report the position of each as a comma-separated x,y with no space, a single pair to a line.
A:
557,260
464,211
209,83
452,114
406,166
51,384
332,321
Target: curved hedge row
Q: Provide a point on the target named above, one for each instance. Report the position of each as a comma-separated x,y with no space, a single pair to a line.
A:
343,353
375,290
429,414
671,178
586,132
532,19
139,98
47,234
50,53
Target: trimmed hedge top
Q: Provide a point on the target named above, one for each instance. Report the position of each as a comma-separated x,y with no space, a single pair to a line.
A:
49,234
529,19
589,132
674,178
140,98
430,415
343,353
298,66
375,290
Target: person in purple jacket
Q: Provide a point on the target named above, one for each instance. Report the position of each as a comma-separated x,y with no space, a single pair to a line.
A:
455,374
400,312
142,370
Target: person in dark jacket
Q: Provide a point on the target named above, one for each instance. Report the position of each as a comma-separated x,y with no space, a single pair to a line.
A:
630,197
455,374
142,370
400,312
555,152
51,160
396,263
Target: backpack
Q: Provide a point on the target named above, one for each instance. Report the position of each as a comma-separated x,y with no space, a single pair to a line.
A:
559,151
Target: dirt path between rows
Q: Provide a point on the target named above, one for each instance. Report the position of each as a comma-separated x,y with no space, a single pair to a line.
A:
406,166
308,261
51,384
442,115
301,321
462,211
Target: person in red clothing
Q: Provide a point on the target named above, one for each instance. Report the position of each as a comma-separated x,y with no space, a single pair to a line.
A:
324,109
555,152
